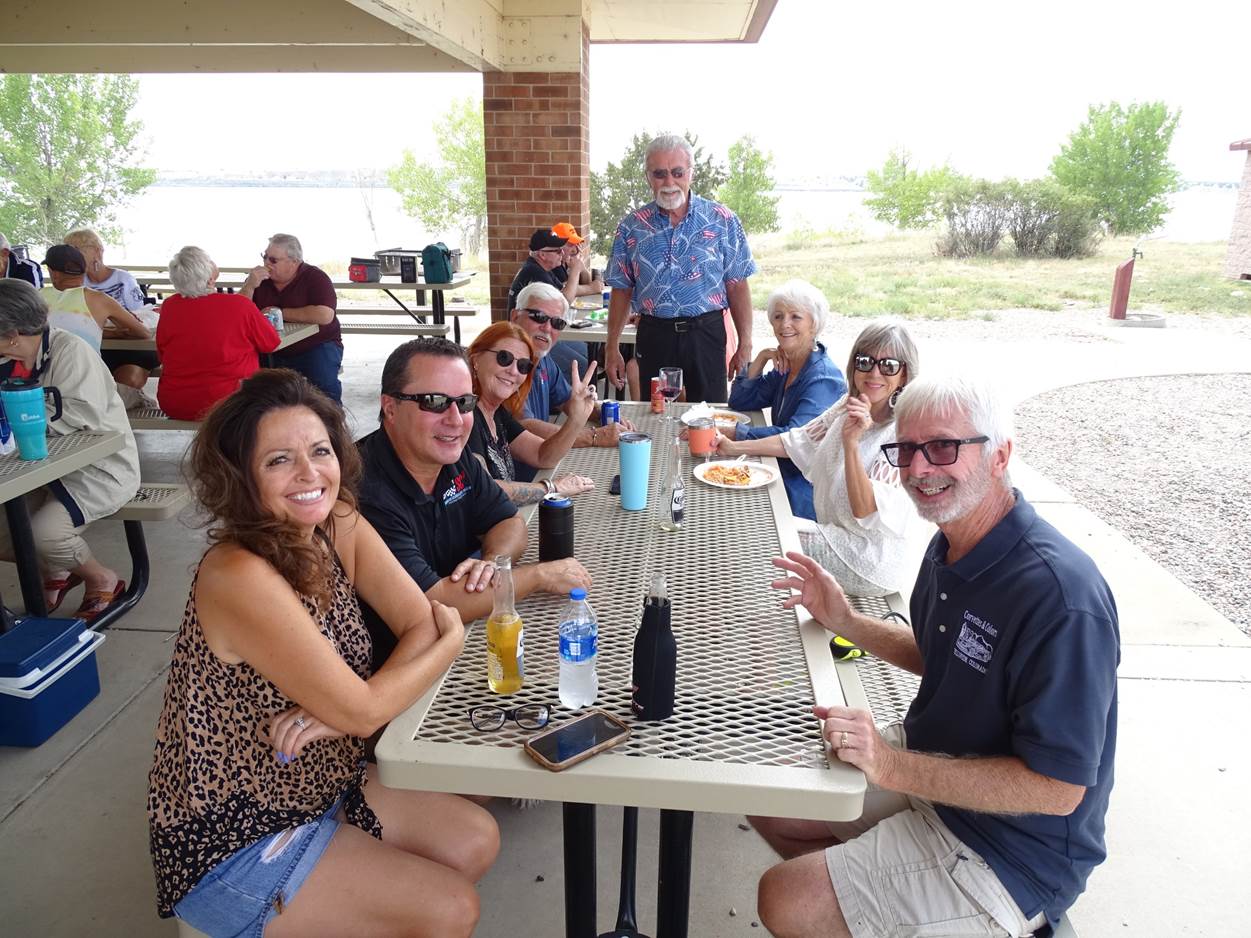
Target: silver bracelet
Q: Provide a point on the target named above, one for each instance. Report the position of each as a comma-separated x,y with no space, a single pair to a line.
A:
549,486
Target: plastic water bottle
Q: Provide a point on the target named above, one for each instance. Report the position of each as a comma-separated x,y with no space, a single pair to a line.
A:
579,647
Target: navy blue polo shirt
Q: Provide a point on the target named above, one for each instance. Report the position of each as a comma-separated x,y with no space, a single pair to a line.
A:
429,534
1020,643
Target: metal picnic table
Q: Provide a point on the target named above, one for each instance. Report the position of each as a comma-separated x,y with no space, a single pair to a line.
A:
742,738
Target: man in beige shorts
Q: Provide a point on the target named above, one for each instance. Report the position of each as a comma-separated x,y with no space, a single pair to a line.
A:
985,810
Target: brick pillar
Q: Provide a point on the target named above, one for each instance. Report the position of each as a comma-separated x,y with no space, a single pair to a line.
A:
537,140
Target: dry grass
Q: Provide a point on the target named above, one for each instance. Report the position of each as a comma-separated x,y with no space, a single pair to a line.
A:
902,275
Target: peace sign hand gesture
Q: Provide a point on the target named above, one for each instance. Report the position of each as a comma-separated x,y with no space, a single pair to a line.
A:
583,398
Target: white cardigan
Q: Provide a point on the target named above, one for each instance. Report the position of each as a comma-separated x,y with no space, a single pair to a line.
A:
89,401
875,547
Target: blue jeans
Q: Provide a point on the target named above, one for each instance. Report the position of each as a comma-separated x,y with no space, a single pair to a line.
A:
320,365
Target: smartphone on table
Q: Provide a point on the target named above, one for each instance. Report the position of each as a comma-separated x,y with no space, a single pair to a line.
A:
614,487
576,740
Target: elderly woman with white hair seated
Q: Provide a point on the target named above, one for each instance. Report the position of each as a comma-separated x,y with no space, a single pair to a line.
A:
866,528
59,512
208,341
801,383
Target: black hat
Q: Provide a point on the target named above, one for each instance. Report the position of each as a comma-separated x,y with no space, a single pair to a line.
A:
66,260
544,238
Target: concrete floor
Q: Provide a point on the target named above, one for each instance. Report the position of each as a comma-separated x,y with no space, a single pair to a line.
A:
73,831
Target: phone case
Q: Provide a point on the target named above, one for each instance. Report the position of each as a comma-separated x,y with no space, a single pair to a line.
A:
582,756
614,487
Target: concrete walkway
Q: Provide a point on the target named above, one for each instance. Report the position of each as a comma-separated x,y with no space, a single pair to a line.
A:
72,825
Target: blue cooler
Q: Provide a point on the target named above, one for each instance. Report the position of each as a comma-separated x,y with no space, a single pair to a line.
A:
47,674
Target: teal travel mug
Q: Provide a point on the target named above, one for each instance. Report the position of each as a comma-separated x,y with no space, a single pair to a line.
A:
635,450
23,405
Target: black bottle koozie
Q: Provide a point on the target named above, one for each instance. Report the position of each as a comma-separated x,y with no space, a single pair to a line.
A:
655,664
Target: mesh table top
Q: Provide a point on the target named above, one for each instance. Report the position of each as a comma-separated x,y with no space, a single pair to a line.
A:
65,454
742,737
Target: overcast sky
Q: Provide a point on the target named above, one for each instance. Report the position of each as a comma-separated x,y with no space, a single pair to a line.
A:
993,88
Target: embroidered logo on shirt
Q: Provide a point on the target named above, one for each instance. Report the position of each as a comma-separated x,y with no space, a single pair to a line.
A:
972,645
456,491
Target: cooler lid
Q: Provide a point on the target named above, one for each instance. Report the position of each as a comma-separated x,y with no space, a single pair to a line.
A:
36,643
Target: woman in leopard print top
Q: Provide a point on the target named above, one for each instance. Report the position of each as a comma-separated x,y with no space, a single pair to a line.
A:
259,749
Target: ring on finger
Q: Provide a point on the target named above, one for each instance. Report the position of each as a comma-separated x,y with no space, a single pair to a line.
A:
299,721
842,740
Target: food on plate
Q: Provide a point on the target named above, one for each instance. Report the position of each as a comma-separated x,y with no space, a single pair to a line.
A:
726,416
729,475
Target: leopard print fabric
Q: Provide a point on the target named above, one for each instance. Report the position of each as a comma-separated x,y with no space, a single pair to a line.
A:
216,785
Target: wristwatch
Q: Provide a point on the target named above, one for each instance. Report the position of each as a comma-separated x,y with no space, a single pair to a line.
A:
549,486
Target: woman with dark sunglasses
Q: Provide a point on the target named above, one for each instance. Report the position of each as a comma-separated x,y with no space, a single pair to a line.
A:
865,522
502,359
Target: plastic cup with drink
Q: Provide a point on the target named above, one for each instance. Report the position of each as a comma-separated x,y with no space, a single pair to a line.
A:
24,410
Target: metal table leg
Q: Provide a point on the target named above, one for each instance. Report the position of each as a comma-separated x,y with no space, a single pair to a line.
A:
23,540
673,899
579,869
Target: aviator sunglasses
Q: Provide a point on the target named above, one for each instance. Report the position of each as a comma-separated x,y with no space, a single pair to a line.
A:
439,403
889,367
541,317
506,358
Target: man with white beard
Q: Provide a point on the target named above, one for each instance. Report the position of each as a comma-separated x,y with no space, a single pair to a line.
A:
679,262
985,810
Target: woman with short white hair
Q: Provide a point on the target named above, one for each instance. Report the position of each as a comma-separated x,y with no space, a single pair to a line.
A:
800,383
208,341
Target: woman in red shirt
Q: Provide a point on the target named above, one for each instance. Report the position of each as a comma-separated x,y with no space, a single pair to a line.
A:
208,341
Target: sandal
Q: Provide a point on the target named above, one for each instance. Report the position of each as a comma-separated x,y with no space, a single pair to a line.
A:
60,588
97,601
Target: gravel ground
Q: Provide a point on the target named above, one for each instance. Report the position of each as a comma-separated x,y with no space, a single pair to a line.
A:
1152,458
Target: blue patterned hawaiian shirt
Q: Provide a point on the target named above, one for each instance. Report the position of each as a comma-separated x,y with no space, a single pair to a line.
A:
680,270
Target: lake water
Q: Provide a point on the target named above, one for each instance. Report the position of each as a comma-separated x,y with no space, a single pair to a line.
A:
234,223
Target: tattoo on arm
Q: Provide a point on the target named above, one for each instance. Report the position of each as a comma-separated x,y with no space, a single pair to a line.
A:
523,493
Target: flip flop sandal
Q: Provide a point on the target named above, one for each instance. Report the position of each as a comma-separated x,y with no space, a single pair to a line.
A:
60,587
97,601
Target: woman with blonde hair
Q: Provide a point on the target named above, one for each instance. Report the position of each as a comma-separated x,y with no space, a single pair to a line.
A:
865,520
502,359
131,368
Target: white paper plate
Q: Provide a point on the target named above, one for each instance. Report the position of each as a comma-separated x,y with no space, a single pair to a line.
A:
719,414
760,475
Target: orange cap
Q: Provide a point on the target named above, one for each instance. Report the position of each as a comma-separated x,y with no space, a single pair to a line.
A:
568,232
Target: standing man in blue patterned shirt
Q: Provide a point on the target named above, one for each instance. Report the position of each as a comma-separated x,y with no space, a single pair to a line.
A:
679,261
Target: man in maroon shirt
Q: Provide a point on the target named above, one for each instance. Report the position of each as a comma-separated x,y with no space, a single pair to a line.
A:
304,294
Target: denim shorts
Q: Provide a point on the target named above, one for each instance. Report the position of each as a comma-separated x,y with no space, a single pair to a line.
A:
238,897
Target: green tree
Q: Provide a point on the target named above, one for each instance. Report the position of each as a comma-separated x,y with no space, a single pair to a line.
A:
67,143
1119,158
904,197
622,186
744,192
450,193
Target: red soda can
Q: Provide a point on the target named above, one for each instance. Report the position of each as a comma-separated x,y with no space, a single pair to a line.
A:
658,399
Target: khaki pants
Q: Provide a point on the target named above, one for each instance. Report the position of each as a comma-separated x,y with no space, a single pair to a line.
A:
58,544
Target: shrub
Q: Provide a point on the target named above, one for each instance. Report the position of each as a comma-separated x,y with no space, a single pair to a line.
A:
976,212
1078,229
1047,220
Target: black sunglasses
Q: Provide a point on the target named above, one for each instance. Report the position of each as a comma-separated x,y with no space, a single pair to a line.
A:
677,173
936,452
506,358
527,716
541,317
438,403
270,259
889,367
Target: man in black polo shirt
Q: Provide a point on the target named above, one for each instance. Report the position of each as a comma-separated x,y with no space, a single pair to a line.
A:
985,810
431,501
546,255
